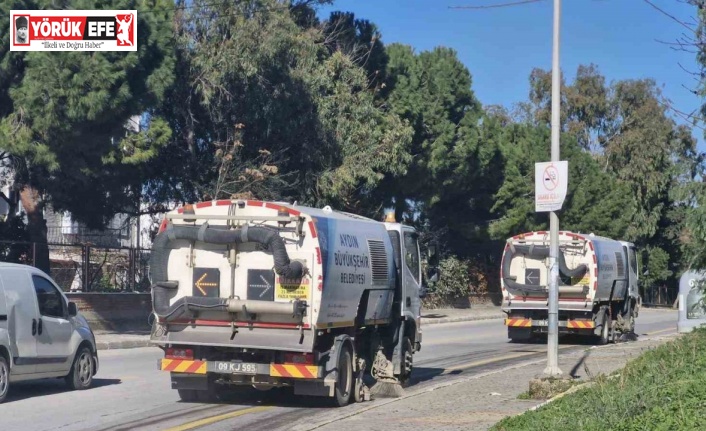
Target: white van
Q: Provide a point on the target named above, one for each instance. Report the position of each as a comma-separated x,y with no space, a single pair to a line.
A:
41,333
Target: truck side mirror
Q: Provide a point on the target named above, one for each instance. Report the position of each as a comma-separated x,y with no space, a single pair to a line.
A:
73,310
432,255
433,274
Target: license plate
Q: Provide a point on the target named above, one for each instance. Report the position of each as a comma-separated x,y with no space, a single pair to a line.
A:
540,323
236,367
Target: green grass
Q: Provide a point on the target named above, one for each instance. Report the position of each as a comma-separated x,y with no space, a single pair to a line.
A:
663,389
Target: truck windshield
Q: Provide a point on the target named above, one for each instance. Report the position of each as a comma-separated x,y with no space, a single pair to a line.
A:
411,254
633,260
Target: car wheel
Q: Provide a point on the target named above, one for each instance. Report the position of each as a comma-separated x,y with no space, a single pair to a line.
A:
81,375
4,378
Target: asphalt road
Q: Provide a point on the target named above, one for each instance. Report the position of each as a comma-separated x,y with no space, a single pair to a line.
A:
131,394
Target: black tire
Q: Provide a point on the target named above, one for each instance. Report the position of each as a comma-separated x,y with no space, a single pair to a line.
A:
344,382
210,395
4,378
407,360
604,337
629,315
81,375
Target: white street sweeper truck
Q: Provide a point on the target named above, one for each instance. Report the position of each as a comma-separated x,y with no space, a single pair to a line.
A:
598,285
270,294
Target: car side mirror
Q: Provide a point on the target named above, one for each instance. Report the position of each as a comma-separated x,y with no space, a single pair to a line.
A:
73,310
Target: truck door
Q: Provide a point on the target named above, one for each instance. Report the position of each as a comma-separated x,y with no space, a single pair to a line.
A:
633,271
411,273
22,317
54,332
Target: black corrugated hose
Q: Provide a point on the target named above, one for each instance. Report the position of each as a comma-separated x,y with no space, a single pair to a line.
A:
535,252
163,289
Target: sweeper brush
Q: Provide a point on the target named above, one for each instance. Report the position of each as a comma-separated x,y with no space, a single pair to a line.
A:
387,389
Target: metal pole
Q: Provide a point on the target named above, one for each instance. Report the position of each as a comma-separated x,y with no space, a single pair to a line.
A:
87,268
553,330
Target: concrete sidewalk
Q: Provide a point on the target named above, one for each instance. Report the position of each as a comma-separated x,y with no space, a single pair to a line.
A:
106,340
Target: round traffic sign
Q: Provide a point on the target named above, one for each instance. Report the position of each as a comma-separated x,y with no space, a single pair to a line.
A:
550,178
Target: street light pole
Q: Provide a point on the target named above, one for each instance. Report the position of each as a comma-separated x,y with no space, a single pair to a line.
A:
553,322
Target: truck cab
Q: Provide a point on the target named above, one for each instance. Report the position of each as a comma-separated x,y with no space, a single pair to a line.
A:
405,242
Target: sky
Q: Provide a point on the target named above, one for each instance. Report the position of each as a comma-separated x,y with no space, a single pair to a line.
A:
501,46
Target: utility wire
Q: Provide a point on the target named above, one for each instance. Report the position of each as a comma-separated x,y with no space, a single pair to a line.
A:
493,6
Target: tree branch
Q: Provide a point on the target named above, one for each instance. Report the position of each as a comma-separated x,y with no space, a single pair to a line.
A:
677,20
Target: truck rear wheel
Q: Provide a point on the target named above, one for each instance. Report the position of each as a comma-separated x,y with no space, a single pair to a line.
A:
344,382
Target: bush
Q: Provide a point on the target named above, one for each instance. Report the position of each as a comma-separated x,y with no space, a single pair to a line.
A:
454,283
463,280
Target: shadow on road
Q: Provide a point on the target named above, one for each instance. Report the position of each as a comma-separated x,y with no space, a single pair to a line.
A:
37,388
285,397
571,339
424,374
433,316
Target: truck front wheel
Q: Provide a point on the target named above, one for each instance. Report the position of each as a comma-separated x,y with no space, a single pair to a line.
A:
407,360
603,338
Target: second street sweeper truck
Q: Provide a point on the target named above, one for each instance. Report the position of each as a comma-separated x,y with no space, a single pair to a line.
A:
598,285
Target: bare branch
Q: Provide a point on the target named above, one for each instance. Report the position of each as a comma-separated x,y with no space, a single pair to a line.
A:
682,23
691,90
691,118
689,72
668,43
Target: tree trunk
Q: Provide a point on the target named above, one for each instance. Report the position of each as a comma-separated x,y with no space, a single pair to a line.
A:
36,226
